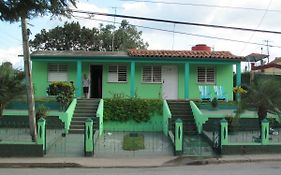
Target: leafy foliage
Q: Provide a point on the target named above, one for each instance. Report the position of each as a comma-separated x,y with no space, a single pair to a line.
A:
64,92
41,111
11,84
133,142
12,10
72,36
214,102
123,109
263,95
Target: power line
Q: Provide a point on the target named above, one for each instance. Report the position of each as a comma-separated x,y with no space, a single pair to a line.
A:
175,22
201,5
260,22
182,33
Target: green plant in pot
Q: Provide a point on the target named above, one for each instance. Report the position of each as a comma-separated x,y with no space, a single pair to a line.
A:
214,103
233,123
41,111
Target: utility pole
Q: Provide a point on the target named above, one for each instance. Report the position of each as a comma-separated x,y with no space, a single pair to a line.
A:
28,76
113,33
173,36
267,47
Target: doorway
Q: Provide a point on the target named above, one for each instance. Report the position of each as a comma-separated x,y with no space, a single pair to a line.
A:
96,81
170,82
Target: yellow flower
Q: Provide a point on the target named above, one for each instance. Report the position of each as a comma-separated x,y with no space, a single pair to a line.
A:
239,89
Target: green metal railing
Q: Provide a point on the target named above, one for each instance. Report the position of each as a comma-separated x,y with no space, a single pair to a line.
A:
99,115
166,116
200,119
66,117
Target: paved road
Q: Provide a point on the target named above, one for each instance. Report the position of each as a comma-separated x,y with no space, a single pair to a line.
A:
270,168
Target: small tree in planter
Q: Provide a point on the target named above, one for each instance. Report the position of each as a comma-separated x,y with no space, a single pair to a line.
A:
41,111
64,92
214,103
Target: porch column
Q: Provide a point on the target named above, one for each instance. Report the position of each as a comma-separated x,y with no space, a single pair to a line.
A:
186,80
132,79
78,78
238,78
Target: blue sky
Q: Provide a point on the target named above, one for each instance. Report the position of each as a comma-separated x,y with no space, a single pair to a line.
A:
10,35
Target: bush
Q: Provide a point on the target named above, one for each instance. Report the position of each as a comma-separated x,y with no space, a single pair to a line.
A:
124,109
41,111
133,142
64,92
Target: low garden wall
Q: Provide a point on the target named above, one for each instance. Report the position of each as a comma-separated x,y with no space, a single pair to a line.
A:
155,124
20,149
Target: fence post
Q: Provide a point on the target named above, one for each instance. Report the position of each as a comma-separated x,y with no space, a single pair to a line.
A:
178,137
88,138
224,132
265,132
41,136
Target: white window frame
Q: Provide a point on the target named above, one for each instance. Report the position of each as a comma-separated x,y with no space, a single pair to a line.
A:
206,80
114,77
152,73
57,72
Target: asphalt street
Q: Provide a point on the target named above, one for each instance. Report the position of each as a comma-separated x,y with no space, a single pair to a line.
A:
258,168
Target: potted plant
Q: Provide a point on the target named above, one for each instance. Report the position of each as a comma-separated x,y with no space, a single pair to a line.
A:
41,111
214,103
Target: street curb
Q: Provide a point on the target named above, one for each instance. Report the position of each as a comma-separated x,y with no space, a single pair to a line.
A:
40,165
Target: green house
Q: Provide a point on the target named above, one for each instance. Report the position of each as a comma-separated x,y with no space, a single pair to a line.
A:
170,74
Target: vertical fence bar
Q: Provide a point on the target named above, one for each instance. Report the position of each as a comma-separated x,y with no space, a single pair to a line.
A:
224,132
265,132
178,137
41,136
88,138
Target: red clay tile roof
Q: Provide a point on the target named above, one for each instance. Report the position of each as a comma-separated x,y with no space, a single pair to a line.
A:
266,66
184,54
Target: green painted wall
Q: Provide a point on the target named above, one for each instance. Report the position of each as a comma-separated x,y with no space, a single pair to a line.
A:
40,77
224,74
224,77
146,90
109,88
154,124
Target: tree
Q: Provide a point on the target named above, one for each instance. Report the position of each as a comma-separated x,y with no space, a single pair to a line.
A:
263,95
11,84
72,36
20,10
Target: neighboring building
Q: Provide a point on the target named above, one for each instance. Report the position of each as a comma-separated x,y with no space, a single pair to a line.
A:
272,68
170,74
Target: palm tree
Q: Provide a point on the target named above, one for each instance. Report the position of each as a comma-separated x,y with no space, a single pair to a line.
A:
263,95
11,85
21,10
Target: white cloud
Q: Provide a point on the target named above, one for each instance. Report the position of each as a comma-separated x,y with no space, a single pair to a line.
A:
12,55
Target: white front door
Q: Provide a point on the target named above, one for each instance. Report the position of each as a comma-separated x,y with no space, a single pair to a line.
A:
170,82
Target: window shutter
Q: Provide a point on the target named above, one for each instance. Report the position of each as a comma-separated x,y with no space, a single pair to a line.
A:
122,73
57,72
201,74
157,74
112,73
210,75
147,74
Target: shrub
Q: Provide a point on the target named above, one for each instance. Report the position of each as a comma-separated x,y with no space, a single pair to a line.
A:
64,92
41,111
123,109
214,102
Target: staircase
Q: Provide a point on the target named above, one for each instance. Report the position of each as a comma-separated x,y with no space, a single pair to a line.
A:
193,143
181,109
85,108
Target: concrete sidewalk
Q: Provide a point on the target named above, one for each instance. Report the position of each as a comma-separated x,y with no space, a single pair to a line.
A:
130,163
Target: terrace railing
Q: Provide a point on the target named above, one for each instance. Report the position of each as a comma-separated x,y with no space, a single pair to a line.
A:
166,116
66,117
99,115
200,119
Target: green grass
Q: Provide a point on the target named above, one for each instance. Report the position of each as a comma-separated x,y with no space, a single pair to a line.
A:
133,142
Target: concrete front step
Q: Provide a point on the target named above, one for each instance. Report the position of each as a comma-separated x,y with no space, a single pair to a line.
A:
76,131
